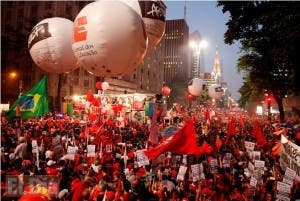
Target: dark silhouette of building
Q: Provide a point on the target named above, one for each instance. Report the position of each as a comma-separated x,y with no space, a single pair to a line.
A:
176,50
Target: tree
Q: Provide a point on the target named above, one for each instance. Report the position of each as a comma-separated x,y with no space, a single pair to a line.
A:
269,34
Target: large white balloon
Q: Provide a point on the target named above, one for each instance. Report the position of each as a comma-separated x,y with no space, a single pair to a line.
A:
50,45
154,18
153,15
109,38
195,86
215,91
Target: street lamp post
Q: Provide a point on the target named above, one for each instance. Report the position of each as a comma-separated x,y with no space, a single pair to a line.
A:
196,47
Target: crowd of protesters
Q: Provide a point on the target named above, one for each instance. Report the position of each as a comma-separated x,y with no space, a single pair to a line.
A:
113,173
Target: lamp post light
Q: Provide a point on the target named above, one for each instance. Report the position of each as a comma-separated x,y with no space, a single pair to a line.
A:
196,47
14,75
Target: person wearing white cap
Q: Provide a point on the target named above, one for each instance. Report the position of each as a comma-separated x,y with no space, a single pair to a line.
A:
20,150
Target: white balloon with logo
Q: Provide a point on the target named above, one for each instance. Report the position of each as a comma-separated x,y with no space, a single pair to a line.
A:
215,91
195,87
109,38
50,45
153,14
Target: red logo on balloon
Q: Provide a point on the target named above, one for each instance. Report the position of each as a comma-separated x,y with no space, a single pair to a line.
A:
80,32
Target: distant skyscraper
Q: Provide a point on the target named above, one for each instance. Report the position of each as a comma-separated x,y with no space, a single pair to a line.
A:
176,49
216,72
196,53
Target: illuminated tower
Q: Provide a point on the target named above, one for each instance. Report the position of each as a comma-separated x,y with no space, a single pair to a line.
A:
216,72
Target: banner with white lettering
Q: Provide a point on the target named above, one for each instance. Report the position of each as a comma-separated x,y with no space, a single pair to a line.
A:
290,157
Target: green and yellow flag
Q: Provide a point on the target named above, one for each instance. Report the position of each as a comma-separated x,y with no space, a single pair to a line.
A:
33,103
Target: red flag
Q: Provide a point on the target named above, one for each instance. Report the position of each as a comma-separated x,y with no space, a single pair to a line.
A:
230,131
260,138
183,142
153,137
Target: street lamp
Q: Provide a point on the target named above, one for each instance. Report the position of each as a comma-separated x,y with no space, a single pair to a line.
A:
196,47
13,75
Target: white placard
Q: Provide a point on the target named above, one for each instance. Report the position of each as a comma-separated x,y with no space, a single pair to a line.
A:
142,159
288,181
195,172
282,197
253,182
214,166
289,173
249,145
35,147
255,155
91,150
259,164
71,151
181,173
283,187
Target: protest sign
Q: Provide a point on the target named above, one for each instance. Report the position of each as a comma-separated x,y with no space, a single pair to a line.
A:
35,148
181,173
259,164
214,166
249,145
71,151
91,150
283,187
195,172
290,157
142,159
253,182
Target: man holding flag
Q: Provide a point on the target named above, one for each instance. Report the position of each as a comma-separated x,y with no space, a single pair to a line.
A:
33,103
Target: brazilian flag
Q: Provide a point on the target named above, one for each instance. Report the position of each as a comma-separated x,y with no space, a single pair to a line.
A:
33,103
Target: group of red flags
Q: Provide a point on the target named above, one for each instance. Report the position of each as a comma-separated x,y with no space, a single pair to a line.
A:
184,141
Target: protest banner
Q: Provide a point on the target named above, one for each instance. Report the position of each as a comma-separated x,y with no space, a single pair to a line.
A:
290,157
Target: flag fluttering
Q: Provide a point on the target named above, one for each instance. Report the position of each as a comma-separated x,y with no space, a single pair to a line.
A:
182,142
33,103
260,138
230,131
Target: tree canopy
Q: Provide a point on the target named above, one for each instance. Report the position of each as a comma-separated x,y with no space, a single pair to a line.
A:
269,35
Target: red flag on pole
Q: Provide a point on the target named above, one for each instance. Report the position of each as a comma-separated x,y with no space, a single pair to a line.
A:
260,138
182,142
230,131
